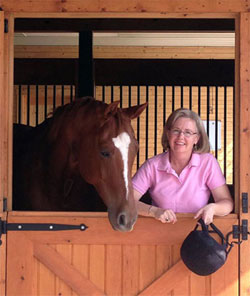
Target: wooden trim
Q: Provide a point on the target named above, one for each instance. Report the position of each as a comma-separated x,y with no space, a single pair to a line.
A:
243,116
103,15
123,6
65,271
168,281
9,94
3,114
237,119
3,253
126,52
30,214
99,230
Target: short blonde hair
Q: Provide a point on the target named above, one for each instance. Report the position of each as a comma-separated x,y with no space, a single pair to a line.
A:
203,145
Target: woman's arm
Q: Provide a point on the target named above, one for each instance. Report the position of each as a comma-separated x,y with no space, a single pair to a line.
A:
223,205
152,211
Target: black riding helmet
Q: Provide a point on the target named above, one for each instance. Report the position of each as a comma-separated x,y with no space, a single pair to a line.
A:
201,253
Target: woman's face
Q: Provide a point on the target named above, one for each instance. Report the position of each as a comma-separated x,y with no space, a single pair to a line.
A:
183,135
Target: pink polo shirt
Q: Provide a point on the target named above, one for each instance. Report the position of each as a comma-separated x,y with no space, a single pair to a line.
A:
186,193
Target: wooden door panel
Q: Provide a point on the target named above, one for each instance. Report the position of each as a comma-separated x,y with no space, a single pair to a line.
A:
143,262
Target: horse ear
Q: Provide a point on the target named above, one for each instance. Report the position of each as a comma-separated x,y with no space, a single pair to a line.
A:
111,109
135,111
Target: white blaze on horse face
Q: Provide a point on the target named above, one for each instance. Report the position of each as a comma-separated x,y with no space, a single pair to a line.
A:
122,143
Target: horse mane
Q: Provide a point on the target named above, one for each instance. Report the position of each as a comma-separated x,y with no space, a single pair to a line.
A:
68,112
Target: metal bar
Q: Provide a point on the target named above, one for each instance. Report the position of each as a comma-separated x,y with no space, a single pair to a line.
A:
155,132
43,227
190,97
199,100
121,94
112,93
103,93
71,93
129,95
208,108
216,121
225,131
62,95
164,104
19,104
54,97
173,98
138,129
244,202
181,96
147,110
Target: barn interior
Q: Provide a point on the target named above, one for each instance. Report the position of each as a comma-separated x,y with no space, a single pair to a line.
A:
169,63
204,66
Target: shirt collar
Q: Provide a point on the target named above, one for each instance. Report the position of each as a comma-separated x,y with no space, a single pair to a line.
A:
164,164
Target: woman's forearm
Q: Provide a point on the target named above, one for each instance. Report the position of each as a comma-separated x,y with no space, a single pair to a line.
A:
223,207
145,209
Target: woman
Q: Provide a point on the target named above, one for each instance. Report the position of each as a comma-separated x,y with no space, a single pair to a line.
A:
181,179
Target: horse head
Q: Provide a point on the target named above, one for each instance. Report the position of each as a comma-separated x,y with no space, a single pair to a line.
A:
104,149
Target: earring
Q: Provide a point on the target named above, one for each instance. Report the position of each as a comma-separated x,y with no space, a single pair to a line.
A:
195,147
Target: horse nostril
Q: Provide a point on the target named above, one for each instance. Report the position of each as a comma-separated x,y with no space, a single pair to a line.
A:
122,221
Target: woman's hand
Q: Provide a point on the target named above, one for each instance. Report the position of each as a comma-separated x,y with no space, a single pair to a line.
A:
206,213
222,206
165,216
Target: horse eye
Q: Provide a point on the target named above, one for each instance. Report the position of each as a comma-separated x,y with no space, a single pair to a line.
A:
105,154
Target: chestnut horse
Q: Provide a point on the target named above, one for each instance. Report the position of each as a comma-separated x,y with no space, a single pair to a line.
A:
80,159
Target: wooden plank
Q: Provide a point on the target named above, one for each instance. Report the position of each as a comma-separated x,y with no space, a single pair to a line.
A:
66,252
225,280
183,285
97,265
134,6
113,270
21,268
46,276
9,88
198,285
163,260
99,230
147,266
3,260
80,260
103,15
243,32
130,270
126,52
65,271
167,282
3,114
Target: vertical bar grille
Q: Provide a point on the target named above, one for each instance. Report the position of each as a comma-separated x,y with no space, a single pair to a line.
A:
214,104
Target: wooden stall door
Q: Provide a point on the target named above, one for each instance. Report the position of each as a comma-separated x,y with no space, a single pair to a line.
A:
101,261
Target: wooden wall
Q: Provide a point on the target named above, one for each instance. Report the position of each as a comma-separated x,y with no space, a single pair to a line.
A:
127,52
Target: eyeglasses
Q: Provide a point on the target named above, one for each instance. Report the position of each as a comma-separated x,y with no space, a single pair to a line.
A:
186,133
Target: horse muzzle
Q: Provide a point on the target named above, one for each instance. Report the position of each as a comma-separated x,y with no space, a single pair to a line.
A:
122,221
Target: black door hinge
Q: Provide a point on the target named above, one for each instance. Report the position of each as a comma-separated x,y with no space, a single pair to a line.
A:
4,204
243,230
5,227
244,202
6,26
